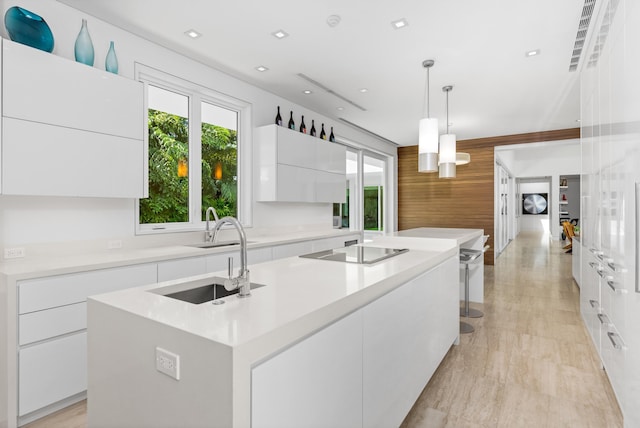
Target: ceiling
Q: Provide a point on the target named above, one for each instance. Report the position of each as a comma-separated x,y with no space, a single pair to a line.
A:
478,46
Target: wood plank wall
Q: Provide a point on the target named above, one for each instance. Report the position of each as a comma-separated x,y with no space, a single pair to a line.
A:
424,200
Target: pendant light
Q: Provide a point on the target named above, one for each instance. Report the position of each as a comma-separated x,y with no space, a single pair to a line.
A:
447,157
428,132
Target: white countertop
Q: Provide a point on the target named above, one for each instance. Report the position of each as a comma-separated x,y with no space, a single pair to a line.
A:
460,235
299,295
54,264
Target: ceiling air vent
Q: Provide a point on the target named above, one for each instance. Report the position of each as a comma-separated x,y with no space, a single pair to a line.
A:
331,91
603,33
583,26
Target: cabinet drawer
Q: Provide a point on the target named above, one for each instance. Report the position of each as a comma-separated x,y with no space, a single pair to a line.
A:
50,292
61,92
49,323
52,371
181,268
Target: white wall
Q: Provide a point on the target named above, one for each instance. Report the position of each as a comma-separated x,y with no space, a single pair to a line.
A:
545,159
31,220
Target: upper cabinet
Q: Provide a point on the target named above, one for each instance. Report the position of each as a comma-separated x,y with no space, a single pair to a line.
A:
69,129
295,167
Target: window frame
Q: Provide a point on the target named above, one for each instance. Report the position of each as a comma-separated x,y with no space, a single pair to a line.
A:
198,93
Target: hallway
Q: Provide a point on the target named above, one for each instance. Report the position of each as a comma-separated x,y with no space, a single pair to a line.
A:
530,362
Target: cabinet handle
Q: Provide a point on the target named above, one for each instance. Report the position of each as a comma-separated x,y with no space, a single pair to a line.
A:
612,285
611,336
601,273
594,251
593,303
603,319
616,268
594,265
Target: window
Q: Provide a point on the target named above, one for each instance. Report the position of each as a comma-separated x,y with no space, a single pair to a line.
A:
195,140
373,193
366,198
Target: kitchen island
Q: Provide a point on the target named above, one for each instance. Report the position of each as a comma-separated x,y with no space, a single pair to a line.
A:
466,238
322,343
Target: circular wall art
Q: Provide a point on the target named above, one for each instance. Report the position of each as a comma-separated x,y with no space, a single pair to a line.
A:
534,203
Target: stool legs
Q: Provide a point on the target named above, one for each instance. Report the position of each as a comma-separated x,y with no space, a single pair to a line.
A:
468,312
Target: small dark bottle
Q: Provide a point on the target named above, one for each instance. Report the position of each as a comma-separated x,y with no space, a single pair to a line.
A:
332,137
313,129
292,124
323,135
303,127
278,118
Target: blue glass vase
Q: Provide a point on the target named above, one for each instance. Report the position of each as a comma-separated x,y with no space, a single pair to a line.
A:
28,28
84,47
111,62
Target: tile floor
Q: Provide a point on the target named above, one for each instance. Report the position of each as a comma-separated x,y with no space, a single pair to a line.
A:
529,363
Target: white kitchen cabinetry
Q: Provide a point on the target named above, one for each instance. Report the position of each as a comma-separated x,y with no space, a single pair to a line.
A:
576,249
406,335
368,369
609,233
295,167
317,382
52,350
69,129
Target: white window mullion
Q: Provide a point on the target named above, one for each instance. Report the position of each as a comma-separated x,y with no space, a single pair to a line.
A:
195,160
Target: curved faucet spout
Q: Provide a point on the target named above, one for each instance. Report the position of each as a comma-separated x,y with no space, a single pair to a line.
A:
241,281
209,235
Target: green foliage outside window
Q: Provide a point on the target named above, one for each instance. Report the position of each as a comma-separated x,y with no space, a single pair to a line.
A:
168,200
371,208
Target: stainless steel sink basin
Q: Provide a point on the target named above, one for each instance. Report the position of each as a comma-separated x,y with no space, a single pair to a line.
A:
216,244
207,293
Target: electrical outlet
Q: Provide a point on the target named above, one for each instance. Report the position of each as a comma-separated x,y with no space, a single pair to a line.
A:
14,253
114,244
168,363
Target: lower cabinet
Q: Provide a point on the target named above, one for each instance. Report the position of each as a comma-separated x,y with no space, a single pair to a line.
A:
406,335
52,371
368,369
316,383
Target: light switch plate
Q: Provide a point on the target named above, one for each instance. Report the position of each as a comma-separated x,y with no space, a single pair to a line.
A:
168,363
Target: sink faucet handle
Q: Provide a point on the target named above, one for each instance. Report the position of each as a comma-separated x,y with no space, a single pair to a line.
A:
230,267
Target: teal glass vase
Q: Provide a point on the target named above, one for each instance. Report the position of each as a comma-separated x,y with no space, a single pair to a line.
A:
84,47
28,28
111,62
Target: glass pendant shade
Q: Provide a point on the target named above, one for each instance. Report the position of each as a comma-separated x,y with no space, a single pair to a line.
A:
428,145
447,159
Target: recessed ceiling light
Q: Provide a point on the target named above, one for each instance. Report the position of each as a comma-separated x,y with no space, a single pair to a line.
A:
261,68
192,33
578,120
306,91
363,90
333,20
532,53
400,23
280,34
340,108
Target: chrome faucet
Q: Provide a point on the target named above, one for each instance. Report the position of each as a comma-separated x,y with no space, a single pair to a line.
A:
209,235
241,282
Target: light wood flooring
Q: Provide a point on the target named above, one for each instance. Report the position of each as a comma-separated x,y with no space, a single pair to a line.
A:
529,363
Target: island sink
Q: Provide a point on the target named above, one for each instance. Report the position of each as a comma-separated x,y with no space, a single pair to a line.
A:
206,293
